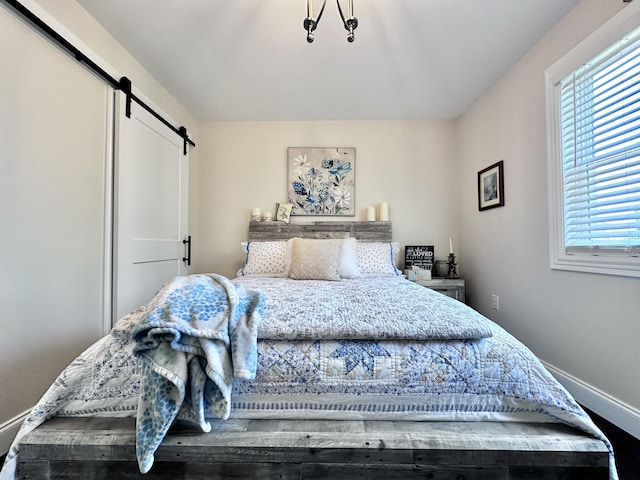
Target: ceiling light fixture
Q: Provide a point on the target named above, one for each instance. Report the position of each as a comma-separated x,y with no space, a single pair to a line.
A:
350,22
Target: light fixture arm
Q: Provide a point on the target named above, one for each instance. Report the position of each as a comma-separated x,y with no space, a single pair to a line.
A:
310,23
350,22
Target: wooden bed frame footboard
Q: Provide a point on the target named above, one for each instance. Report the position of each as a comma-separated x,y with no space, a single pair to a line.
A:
104,448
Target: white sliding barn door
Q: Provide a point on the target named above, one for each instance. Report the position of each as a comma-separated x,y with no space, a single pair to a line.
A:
150,207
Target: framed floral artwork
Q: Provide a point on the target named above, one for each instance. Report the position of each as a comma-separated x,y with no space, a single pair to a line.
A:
321,181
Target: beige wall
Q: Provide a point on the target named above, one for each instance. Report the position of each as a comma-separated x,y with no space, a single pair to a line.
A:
53,176
585,325
410,165
52,221
88,33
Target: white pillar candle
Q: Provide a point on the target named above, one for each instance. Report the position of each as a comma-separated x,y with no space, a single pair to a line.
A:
255,212
384,212
450,246
371,214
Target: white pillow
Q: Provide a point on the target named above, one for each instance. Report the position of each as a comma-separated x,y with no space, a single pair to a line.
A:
378,258
265,258
349,258
315,259
273,258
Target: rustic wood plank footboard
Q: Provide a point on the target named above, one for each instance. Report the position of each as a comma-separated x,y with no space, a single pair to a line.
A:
104,448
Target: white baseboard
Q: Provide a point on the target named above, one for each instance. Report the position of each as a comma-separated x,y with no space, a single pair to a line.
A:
610,408
8,431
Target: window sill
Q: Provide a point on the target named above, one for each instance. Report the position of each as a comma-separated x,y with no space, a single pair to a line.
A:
601,264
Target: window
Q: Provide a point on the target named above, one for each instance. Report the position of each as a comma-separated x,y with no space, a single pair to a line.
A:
593,102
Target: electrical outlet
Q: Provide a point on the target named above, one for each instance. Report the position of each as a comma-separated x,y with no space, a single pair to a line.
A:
495,302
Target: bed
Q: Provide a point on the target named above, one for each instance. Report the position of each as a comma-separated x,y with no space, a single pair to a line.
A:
319,360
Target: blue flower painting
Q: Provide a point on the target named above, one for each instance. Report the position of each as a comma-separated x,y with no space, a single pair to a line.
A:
321,181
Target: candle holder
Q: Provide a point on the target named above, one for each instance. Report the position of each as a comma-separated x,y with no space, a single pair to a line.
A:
453,271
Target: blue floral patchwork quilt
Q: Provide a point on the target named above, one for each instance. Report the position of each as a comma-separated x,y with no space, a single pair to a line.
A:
419,356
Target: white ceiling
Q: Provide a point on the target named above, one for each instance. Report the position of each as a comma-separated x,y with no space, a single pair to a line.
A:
249,59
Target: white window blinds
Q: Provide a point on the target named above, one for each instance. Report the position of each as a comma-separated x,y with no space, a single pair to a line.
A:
600,148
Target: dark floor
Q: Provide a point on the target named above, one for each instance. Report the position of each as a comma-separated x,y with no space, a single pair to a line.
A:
625,446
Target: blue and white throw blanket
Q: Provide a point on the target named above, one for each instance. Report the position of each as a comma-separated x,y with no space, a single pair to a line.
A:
199,333
173,358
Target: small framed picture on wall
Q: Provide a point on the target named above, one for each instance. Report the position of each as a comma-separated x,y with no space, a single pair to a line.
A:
491,186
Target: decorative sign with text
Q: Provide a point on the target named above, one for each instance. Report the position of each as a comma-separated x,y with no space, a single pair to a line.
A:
422,256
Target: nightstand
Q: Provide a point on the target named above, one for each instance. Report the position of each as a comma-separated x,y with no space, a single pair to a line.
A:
452,287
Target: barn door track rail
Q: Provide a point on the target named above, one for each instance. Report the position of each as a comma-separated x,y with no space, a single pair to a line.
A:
123,84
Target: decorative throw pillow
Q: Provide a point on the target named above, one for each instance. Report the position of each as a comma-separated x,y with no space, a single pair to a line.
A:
313,259
378,258
283,212
349,258
265,258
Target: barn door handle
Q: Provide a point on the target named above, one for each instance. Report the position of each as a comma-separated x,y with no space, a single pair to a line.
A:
187,242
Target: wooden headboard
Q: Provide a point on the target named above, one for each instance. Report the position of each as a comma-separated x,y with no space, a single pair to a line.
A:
367,231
